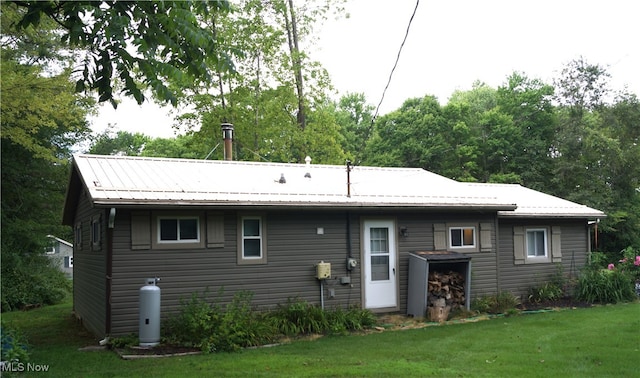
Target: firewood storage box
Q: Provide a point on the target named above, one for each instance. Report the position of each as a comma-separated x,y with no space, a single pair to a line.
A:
435,263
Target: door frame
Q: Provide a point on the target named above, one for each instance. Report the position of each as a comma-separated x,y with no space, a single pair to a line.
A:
395,263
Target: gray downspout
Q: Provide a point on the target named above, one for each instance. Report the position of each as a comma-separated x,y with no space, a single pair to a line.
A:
109,273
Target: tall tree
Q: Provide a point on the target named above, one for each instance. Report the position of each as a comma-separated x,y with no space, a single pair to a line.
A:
529,103
261,98
355,118
118,143
42,119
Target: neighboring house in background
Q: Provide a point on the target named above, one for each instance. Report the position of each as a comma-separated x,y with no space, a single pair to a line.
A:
265,227
61,252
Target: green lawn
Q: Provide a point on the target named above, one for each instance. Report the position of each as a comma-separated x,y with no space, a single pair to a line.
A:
601,341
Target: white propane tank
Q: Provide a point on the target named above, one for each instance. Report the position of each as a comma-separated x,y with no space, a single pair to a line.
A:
150,313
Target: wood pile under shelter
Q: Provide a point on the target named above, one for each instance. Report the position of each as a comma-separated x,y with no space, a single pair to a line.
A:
439,281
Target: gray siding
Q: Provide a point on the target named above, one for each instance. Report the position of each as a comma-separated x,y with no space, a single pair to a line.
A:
421,238
89,293
294,247
518,279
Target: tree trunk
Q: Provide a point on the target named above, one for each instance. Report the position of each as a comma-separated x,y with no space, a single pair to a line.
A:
292,35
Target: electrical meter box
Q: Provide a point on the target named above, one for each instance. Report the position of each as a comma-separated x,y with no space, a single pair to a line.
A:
323,270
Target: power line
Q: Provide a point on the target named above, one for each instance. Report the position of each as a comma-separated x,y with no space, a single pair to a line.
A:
396,63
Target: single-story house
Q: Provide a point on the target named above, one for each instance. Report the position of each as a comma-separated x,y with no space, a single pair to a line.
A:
60,252
272,228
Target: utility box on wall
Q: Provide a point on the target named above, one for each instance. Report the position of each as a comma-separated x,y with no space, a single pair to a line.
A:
323,270
421,264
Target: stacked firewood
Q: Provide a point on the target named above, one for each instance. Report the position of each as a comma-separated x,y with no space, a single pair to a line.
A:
446,289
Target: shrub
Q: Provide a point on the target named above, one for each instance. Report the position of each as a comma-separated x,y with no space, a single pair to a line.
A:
602,281
605,286
212,328
14,345
297,317
31,281
495,304
546,292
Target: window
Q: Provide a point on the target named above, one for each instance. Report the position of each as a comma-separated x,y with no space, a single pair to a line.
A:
78,236
178,230
252,240
68,261
379,253
536,243
462,237
95,232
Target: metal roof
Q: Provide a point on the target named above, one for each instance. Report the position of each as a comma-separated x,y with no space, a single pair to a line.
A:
532,203
125,180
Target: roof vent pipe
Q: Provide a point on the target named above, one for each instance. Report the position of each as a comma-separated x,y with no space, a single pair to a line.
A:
227,136
308,161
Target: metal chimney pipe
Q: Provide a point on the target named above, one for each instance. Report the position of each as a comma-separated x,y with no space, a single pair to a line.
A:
227,136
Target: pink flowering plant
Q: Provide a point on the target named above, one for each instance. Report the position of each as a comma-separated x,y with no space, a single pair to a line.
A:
603,281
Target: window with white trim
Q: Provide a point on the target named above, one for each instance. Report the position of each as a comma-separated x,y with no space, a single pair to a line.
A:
252,240
537,243
178,230
68,261
462,237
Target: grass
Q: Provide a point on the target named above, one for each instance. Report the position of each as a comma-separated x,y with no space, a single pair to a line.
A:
601,341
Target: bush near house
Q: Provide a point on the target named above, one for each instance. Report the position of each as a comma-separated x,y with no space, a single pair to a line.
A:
610,282
214,328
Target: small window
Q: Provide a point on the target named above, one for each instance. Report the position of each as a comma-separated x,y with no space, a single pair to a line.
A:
462,237
252,240
68,262
78,236
95,232
536,243
179,230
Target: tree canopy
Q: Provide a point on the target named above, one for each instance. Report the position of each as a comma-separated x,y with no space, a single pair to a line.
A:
138,44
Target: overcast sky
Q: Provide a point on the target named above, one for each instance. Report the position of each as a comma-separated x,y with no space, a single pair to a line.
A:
451,44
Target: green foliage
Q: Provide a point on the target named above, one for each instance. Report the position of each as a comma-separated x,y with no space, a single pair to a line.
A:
299,317
41,120
118,143
609,283
214,329
31,281
555,289
605,286
14,345
501,303
124,341
171,44
546,292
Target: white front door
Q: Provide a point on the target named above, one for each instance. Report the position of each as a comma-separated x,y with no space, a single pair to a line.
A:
379,264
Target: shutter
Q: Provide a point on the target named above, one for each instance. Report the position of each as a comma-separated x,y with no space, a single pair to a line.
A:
140,230
439,236
215,230
556,244
485,237
518,245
